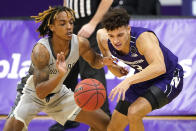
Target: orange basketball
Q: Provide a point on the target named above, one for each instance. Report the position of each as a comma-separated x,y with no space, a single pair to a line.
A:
90,94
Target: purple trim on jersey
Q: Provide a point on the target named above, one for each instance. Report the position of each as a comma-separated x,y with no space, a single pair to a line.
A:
137,61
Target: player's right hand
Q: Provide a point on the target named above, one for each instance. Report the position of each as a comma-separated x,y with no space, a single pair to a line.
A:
124,71
60,63
109,61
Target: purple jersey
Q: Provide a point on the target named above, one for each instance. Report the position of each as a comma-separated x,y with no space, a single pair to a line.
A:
170,83
137,61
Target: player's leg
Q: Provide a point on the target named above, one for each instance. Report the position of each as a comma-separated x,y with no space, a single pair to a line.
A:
10,120
161,93
97,120
118,122
119,117
24,112
137,110
148,100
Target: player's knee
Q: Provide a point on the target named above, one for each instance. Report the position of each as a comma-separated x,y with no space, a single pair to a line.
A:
134,115
9,124
13,124
18,125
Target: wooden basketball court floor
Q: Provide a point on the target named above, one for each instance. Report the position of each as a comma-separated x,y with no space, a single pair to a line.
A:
151,123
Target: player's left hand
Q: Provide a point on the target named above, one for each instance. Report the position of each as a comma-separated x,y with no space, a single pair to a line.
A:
86,30
60,63
120,90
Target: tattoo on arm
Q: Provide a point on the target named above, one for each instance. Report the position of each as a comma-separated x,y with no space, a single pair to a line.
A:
41,75
40,59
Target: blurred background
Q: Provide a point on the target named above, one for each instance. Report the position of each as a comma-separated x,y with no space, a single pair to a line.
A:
174,22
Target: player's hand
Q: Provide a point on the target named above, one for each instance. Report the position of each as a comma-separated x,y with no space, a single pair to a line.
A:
86,30
60,63
109,61
120,90
124,71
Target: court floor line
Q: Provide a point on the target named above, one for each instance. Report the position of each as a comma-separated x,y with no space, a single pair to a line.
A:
39,117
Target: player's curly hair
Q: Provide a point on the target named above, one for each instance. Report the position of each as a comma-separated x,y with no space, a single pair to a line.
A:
115,18
47,17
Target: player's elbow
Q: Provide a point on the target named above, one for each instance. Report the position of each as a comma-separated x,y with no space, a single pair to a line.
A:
162,69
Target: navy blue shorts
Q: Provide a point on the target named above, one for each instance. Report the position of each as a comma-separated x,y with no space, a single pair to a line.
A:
159,91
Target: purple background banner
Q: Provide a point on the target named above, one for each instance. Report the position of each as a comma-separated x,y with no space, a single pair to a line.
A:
17,38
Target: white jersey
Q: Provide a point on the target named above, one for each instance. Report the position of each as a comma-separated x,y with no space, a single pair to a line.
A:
72,58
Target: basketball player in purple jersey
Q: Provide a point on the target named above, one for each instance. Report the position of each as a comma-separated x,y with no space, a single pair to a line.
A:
158,77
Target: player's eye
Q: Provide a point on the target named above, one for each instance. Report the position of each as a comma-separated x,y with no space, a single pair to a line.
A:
111,36
62,24
120,35
71,22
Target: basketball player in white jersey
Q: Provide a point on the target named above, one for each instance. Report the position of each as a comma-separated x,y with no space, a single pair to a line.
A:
52,58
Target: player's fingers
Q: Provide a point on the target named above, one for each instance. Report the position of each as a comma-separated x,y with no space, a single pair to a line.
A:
115,59
119,96
114,94
110,95
62,56
58,57
123,97
82,33
79,32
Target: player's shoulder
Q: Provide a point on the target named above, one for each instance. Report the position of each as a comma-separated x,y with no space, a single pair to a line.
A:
83,42
40,55
146,35
102,35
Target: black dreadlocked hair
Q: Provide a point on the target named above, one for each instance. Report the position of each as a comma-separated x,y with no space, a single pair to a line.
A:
115,18
47,17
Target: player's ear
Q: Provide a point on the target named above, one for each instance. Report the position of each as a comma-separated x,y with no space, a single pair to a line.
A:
129,27
51,26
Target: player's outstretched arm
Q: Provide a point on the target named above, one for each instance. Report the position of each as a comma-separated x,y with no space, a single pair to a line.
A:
88,54
40,58
102,39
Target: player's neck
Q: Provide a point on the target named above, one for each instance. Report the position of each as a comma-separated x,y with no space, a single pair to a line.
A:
60,44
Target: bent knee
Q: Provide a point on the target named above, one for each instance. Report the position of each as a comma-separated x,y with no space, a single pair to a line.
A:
9,124
134,114
13,124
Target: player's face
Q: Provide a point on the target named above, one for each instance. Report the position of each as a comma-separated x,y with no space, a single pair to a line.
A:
120,37
63,25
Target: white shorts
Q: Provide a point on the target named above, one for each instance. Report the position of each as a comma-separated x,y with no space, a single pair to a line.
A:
61,106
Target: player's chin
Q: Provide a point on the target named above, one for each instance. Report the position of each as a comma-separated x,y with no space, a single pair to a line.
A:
68,37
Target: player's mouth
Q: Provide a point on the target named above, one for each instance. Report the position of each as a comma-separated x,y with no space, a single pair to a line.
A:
69,34
118,45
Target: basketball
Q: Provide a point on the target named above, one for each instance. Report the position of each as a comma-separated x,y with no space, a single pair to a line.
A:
89,94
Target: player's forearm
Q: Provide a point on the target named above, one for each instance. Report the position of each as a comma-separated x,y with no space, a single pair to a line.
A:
97,61
102,9
46,87
150,72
